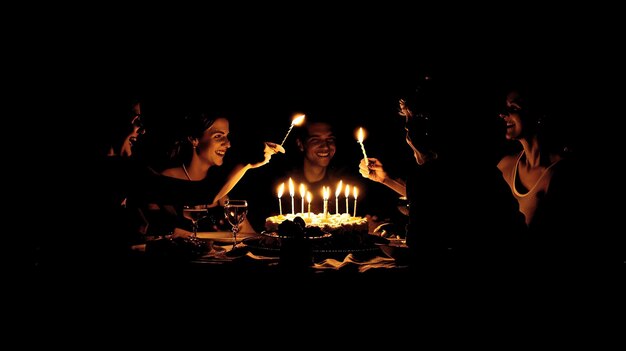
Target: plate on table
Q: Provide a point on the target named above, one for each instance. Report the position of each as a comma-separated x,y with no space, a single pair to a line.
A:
263,245
224,237
395,248
276,235
268,245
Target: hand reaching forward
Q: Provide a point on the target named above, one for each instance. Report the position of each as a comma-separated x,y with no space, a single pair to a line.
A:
269,150
373,171
240,169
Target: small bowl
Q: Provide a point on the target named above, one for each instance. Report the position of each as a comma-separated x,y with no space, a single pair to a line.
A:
396,249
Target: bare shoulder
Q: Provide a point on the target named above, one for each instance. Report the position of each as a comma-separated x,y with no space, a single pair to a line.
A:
507,162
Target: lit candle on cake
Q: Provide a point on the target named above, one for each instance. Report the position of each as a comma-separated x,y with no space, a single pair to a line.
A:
337,192
281,189
355,192
295,122
347,193
361,136
325,195
302,194
309,197
292,192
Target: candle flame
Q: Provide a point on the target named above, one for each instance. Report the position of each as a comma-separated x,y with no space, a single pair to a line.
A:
291,188
347,192
281,189
339,187
302,190
361,135
325,192
355,192
298,120
309,197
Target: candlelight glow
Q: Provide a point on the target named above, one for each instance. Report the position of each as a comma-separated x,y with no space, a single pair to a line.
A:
292,192
309,197
298,120
361,135
291,187
281,189
302,193
326,194
347,193
337,192
302,190
339,187
355,192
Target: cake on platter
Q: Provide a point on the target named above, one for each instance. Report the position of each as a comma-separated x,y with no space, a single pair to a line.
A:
332,235
337,224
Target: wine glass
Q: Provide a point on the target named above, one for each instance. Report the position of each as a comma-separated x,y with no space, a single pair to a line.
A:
235,212
403,205
195,213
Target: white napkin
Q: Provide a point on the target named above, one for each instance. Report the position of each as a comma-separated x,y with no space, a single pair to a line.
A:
350,261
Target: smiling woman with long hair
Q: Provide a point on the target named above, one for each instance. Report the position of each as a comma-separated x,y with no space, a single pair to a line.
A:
543,174
530,172
202,147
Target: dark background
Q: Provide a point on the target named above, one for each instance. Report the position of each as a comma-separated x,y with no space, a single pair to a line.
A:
264,62
352,66
262,69
261,85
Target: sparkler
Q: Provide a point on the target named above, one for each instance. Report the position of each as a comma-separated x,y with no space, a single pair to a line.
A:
296,121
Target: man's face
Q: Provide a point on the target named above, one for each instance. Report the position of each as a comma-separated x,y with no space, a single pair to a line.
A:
319,147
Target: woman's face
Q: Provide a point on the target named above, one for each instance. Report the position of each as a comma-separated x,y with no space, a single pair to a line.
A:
320,144
408,114
214,143
514,116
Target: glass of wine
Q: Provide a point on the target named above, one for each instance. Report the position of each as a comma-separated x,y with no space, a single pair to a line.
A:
195,213
235,212
403,205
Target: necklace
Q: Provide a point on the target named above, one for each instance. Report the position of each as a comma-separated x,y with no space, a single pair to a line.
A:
186,173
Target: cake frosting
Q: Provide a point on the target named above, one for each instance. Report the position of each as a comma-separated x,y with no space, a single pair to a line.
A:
335,224
338,234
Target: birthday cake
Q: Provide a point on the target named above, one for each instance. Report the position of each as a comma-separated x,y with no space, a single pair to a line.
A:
317,224
330,236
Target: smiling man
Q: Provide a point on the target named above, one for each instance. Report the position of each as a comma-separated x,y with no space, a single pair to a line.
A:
316,165
318,144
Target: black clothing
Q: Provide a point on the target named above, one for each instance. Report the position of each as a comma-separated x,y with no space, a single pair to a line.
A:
462,215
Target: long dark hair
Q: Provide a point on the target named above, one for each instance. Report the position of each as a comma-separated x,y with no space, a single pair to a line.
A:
545,115
192,126
422,99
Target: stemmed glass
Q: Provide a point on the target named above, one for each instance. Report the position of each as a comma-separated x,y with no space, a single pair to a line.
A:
235,212
195,213
403,205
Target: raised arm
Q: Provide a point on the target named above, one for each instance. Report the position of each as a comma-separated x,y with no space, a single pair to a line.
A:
375,171
240,169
